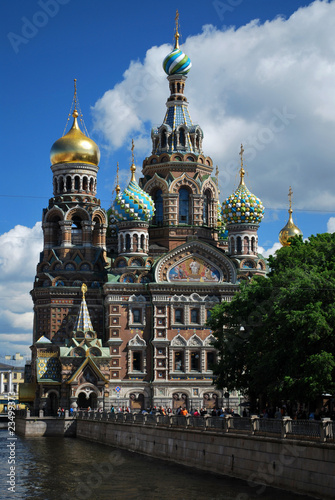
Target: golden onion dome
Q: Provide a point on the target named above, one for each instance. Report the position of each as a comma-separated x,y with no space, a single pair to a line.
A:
289,231
75,147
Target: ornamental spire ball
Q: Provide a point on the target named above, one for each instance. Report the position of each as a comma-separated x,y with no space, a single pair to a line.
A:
177,63
242,207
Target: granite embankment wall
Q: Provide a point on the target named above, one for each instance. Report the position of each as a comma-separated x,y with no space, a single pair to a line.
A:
293,456
298,466
46,427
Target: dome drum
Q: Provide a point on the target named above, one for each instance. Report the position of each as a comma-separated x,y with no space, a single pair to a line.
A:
126,225
75,167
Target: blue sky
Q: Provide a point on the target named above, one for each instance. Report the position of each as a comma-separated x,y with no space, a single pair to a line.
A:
267,83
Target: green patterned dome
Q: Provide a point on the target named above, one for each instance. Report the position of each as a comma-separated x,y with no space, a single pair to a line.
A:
223,233
242,207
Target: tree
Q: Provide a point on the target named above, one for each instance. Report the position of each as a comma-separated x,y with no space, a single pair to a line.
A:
276,338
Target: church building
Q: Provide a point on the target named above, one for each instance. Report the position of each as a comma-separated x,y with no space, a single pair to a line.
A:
122,295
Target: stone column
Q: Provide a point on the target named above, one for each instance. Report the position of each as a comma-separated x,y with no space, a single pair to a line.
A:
1,382
10,384
66,233
43,403
48,228
87,227
73,403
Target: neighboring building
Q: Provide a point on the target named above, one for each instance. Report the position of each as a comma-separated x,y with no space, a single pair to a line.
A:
11,376
121,298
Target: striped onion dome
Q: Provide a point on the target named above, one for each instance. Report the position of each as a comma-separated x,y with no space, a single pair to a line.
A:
133,203
177,63
242,207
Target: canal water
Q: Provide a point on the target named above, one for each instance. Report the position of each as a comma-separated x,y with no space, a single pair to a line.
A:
74,469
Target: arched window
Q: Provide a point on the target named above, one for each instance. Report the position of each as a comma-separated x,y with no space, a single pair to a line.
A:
184,206
182,137
232,245
68,183
143,243
76,182
206,211
163,139
85,183
76,231
56,232
158,200
61,185
239,245
127,241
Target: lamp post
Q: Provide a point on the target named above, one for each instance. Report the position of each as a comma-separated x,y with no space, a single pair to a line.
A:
226,395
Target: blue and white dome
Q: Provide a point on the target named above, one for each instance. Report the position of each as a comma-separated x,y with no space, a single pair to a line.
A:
177,63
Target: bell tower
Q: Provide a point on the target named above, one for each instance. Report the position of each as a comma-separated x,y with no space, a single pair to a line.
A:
177,175
74,228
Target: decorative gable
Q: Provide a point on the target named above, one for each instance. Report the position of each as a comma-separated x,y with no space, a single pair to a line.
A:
194,262
195,341
178,341
137,341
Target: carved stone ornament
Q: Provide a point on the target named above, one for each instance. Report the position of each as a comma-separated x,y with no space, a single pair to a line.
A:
195,341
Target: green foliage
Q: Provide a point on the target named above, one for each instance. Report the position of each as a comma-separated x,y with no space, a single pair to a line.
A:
276,338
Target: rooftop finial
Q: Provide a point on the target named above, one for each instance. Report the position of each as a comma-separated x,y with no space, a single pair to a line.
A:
132,168
117,189
83,290
75,112
290,192
242,171
176,34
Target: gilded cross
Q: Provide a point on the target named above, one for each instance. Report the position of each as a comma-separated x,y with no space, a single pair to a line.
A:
176,35
290,192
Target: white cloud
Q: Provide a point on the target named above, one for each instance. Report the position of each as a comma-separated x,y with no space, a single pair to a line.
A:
269,251
331,225
23,321
267,85
19,255
19,252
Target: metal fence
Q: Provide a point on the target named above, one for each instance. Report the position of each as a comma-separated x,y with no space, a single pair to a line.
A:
315,430
285,428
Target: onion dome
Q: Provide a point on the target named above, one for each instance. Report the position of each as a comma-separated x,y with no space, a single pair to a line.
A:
75,147
133,203
177,63
242,207
290,229
222,232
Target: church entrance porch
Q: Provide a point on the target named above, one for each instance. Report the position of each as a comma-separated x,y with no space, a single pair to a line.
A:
52,404
87,401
